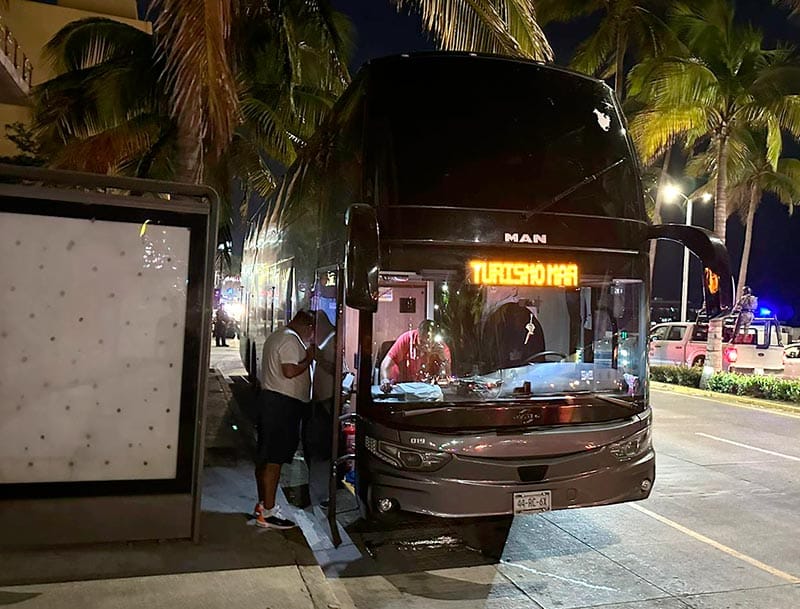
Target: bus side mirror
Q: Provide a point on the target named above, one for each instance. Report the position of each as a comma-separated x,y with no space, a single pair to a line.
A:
361,261
717,277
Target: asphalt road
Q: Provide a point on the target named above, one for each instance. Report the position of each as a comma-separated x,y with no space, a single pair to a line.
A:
720,530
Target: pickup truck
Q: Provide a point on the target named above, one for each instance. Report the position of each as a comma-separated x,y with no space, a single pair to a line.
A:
678,344
760,351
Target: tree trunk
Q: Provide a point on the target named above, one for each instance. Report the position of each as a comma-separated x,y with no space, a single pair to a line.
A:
755,196
188,166
721,202
662,180
714,342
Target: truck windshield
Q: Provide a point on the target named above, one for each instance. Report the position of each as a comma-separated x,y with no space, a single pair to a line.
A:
487,343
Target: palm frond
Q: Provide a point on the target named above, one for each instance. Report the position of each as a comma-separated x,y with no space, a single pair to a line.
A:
193,39
595,54
89,42
785,182
654,131
508,27
549,11
112,149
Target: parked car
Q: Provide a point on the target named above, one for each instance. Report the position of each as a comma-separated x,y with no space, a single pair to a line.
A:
791,361
678,344
684,344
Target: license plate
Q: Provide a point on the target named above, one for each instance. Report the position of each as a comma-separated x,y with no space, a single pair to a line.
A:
532,502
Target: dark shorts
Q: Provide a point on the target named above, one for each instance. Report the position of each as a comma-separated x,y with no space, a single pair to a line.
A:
277,427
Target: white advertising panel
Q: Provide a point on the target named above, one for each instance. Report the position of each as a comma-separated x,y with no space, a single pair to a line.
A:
92,338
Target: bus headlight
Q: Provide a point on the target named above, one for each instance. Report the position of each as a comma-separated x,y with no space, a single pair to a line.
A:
403,457
634,446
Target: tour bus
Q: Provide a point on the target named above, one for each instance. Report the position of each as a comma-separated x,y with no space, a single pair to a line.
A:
497,202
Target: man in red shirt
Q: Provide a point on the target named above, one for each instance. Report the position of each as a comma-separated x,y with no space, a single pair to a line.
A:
417,355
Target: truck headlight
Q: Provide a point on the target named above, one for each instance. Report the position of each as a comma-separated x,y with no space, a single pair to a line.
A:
403,457
633,446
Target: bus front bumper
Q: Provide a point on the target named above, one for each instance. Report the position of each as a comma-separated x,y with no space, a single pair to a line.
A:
449,493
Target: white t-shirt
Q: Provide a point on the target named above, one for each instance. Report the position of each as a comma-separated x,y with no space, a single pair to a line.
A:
284,346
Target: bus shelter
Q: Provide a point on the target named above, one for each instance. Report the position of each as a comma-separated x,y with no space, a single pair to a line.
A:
106,295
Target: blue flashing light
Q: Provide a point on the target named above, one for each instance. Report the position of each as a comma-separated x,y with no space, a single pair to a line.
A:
764,312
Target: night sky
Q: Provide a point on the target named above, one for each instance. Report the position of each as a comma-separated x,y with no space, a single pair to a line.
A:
775,255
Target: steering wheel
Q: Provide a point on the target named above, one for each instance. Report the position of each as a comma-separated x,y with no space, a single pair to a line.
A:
530,359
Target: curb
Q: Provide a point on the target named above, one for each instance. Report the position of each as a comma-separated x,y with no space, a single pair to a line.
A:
736,400
324,594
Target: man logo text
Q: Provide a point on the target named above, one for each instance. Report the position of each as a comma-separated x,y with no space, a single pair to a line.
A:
525,238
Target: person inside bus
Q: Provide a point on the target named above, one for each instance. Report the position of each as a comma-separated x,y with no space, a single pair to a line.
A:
417,355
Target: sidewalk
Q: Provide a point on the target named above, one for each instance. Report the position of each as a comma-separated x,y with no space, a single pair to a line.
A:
235,564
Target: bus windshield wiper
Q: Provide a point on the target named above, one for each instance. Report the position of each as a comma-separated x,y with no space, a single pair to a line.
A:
567,192
608,399
616,401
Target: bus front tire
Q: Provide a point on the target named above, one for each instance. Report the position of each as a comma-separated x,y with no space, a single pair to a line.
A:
699,361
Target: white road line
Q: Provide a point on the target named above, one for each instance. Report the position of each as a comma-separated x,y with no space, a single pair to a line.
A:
761,450
721,547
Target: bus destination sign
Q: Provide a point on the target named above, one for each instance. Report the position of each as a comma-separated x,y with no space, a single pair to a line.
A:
534,274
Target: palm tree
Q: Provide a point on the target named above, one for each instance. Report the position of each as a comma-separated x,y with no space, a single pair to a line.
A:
201,44
751,175
626,26
725,80
109,109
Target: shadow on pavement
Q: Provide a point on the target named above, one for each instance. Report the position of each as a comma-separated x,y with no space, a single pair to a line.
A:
227,542
12,598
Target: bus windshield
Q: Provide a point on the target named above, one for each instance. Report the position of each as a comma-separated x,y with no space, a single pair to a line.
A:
551,142
491,342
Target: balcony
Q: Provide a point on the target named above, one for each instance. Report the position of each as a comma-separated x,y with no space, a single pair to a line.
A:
16,70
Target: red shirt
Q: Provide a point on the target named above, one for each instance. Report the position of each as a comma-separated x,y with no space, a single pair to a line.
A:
408,360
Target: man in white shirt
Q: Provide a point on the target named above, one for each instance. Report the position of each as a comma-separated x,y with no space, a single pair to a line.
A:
286,390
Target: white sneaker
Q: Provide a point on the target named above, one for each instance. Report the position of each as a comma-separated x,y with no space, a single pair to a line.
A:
273,519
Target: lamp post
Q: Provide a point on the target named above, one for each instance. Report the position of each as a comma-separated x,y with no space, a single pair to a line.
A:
670,193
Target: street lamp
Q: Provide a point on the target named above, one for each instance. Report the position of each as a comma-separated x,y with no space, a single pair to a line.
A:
670,193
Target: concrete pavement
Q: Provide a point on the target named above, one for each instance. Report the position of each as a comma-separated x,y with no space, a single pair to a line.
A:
287,587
